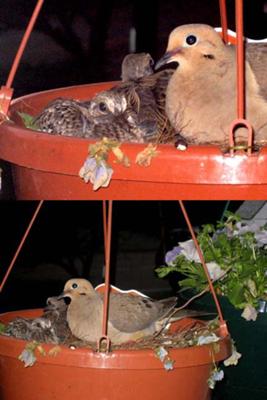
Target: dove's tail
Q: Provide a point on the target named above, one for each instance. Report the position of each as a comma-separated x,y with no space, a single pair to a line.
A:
168,306
186,313
174,315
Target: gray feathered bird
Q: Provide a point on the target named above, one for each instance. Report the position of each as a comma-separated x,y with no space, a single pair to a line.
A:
130,317
64,116
133,110
136,65
50,327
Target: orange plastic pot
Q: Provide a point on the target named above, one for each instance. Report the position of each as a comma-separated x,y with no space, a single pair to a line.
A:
119,375
46,166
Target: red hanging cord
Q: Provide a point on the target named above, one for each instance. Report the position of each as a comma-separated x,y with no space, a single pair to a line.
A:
107,224
240,59
6,91
23,43
240,82
20,245
203,264
224,24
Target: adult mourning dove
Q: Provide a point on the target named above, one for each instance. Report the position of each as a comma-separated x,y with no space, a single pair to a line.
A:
133,110
201,94
50,327
130,317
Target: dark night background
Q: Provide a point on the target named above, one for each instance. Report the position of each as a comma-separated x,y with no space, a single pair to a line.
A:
83,41
66,240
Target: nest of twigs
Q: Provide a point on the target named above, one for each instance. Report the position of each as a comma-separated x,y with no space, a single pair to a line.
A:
185,336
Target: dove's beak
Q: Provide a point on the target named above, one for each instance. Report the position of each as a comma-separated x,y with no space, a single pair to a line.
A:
63,294
168,57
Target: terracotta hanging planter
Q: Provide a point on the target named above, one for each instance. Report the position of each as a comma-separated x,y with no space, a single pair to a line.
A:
119,375
46,166
116,375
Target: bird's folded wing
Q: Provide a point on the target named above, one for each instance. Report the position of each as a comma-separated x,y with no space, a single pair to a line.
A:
256,55
132,313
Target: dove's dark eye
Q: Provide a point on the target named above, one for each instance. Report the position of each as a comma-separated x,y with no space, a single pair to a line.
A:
102,107
191,39
74,286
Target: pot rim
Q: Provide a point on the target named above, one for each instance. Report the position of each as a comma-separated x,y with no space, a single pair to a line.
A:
117,359
47,166
197,165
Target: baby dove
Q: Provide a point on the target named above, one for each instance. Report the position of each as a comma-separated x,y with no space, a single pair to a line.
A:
136,65
50,327
132,111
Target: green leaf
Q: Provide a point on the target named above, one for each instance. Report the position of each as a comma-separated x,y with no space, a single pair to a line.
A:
237,252
165,270
28,120
236,294
188,282
2,327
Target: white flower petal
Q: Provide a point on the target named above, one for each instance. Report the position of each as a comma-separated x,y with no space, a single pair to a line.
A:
233,359
215,270
168,365
103,175
188,249
207,339
28,357
249,313
215,376
161,353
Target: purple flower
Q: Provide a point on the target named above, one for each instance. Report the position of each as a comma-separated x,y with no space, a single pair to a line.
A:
189,250
88,169
90,164
97,173
161,353
261,238
172,254
28,357
259,230
168,364
102,176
